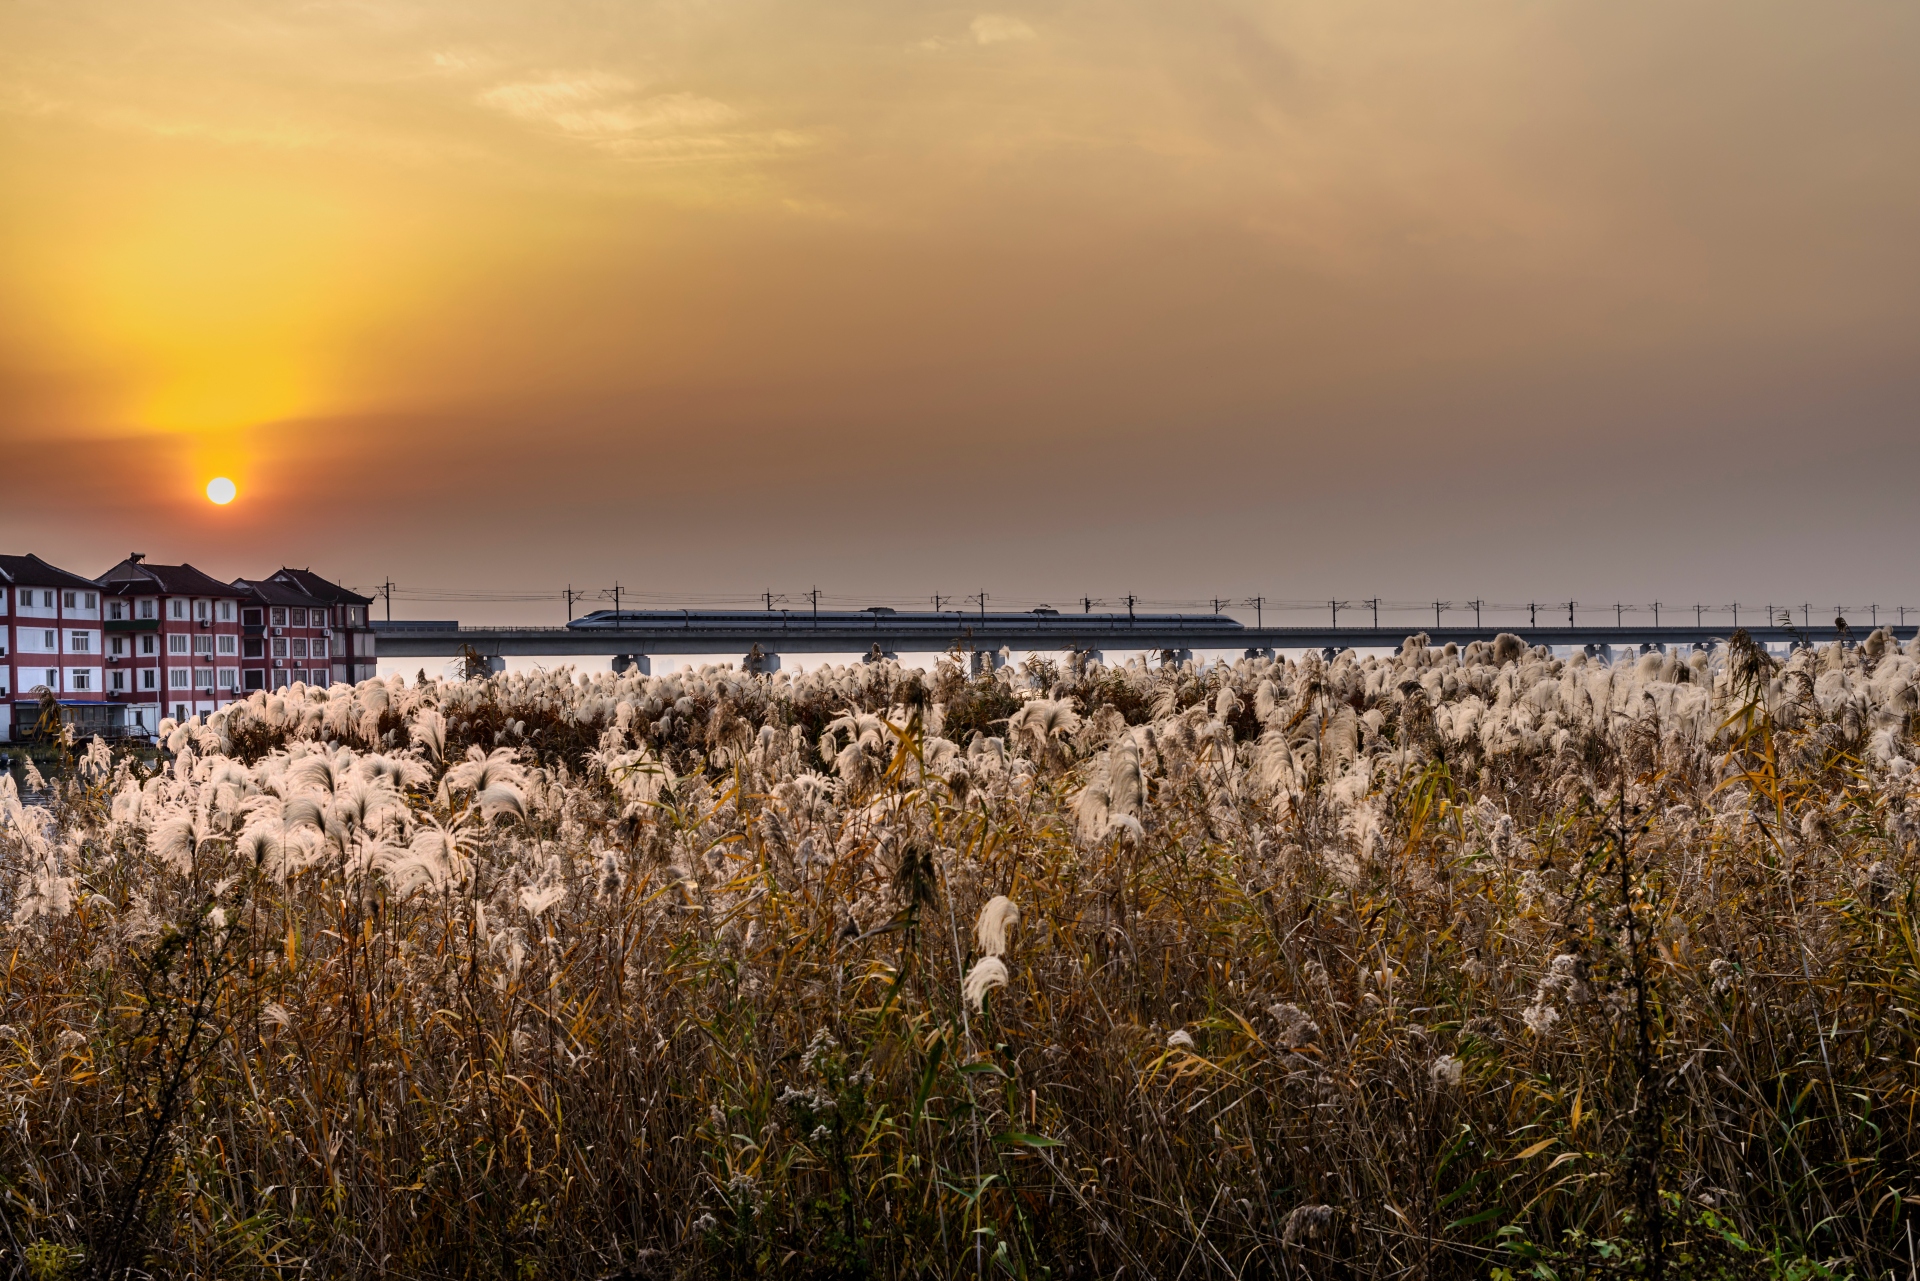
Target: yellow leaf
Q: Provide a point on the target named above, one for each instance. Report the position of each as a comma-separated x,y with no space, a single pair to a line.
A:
1537,1149
1576,1108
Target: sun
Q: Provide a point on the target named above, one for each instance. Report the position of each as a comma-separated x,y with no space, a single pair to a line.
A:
221,490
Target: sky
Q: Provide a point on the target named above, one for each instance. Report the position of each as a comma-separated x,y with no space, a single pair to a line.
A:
1305,301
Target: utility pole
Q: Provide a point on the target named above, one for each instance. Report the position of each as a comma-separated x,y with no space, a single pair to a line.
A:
1533,614
936,602
1437,607
1570,605
1257,602
1736,616
617,620
1656,613
569,602
1334,605
1806,616
983,604
1618,608
1476,615
1874,611
1696,617
815,595
768,597
1130,600
386,589
1216,604
1086,604
1375,602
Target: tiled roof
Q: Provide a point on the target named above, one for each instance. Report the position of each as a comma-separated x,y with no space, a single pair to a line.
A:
318,588
276,593
135,578
31,571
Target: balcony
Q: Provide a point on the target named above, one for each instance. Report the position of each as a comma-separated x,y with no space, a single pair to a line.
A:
132,624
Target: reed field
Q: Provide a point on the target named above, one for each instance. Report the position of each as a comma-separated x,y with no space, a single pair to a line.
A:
1445,964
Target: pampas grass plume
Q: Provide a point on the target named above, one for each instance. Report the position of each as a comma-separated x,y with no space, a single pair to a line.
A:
987,973
997,919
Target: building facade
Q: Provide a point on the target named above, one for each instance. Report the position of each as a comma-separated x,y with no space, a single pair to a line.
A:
299,628
173,641
50,639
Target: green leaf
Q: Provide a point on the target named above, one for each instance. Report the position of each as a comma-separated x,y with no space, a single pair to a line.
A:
1027,1140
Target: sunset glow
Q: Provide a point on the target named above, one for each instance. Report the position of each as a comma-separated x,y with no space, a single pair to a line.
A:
512,257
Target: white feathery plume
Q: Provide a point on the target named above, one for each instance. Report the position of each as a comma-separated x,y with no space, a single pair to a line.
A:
481,770
988,972
1000,916
428,730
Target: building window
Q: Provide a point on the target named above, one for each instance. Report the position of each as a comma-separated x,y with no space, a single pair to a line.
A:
53,677
117,645
279,615
279,647
69,600
119,682
230,678
116,610
147,678
353,616
81,679
202,610
256,679
229,644
319,649
226,611
149,645
203,678
146,609
250,617
179,643
93,600
297,618
177,609
253,649
48,641
320,677
80,642
299,647
203,644
179,677
180,711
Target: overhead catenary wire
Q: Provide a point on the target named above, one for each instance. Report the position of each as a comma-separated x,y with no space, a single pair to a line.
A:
1261,610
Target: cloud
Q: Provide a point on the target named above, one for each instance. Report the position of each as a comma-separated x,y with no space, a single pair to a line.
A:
998,28
460,61
595,107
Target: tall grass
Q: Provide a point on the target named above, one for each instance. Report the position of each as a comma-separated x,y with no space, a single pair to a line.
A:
1424,966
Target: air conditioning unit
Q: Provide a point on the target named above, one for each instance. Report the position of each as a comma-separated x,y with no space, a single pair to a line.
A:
206,622
279,631
279,662
326,631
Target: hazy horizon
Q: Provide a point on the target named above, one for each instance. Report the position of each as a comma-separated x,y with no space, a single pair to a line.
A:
1294,300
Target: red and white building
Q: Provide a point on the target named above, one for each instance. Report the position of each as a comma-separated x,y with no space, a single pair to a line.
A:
50,638
173,641
145,642
298,628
